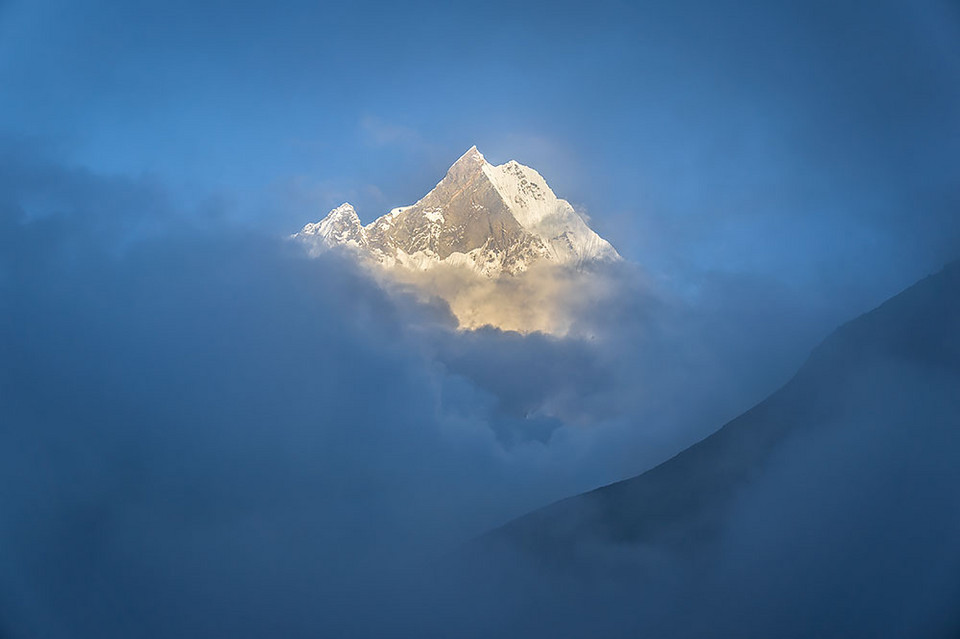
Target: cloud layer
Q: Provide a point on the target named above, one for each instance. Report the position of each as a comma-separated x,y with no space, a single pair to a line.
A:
209,433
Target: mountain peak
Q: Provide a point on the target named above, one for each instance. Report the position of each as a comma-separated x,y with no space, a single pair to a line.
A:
341,226
345,209
494,220
472,155
467,164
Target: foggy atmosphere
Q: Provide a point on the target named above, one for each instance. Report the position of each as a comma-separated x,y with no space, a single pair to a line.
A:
609,319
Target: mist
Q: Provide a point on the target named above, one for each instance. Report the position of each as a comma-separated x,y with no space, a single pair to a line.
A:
207,433
842,525
204,432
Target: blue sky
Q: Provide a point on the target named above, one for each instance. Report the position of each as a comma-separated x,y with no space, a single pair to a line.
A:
800,141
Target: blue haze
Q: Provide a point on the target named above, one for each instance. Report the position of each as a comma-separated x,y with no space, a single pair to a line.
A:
203,434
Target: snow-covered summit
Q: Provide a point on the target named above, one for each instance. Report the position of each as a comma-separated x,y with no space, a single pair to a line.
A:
494,220
341,226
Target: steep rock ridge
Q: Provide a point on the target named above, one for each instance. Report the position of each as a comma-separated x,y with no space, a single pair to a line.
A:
494,220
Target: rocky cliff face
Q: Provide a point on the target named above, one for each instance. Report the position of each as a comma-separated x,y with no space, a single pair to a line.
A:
494,220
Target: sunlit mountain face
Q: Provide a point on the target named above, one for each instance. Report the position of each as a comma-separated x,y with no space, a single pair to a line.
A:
493,242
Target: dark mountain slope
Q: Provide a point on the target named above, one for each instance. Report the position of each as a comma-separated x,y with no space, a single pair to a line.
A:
830,509
684,499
